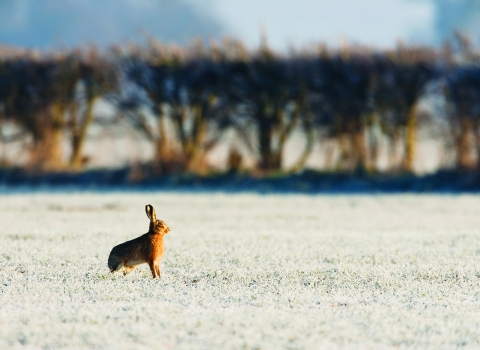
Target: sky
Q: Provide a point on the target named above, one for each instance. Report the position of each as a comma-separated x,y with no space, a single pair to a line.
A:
379,23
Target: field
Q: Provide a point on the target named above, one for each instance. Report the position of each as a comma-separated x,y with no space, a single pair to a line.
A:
242,271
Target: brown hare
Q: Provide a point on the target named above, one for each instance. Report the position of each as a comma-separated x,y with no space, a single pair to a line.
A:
147,248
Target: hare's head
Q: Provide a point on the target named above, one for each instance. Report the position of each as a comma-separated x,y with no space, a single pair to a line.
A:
156,226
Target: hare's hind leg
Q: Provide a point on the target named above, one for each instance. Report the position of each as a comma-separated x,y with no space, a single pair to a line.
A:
128,269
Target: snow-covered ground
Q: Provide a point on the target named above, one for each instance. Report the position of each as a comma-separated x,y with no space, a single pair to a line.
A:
242,272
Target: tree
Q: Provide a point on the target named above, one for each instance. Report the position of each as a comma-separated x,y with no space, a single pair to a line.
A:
400,82
38,92
99,76
463,95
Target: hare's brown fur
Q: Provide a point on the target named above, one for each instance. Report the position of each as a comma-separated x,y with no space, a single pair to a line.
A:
147,248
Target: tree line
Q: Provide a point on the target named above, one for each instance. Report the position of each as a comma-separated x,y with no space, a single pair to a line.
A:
185,100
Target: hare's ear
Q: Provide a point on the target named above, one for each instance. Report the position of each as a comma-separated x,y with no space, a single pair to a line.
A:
151,212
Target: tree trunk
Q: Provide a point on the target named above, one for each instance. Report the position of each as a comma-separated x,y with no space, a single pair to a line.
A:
345,151
410,138
265,141
373,142
194,143
358,142
300,163
47,152
286,130
80,134
464,144
163,151
477,142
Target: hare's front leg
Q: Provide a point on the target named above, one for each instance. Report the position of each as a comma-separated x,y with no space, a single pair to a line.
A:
157,269
153,268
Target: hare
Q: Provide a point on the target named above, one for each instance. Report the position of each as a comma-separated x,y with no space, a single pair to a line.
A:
147,248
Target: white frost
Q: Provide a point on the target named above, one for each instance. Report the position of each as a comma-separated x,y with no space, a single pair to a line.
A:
242,271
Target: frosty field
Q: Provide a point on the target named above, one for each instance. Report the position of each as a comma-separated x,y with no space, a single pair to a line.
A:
242,272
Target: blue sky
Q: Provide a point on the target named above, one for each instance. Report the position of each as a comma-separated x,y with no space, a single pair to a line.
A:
379,23
371,22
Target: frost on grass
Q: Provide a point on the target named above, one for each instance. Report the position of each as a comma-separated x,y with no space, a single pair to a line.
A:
242,271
